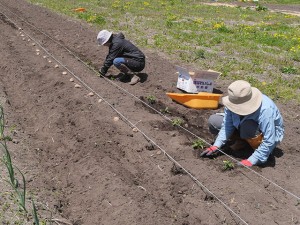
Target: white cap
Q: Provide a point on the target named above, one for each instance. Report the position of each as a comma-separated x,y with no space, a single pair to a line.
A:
103,36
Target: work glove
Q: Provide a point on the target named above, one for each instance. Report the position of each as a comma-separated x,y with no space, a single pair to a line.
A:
209,151
103,71
245,162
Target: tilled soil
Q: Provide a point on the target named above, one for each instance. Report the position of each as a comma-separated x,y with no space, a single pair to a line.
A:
90,167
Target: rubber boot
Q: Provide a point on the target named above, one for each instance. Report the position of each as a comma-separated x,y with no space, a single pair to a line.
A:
135,79
124,73
123,76
124,69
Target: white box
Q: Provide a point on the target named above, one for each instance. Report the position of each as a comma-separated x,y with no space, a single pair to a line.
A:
195,82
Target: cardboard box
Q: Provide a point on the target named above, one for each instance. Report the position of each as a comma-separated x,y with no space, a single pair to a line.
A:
195,82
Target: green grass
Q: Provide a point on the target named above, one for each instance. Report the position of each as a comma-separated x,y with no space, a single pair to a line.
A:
281,1
259,46
264,1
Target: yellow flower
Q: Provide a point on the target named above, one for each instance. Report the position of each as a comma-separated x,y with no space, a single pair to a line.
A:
198,20
218,25
91,18
293,49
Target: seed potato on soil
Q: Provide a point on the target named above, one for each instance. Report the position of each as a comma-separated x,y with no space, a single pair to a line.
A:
88,169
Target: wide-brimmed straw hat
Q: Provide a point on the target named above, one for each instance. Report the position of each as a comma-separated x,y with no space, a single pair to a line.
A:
103,36
242,99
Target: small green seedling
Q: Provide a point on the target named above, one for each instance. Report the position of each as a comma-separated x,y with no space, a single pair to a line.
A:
7,138
198,144
166,110
89,63
177,122
151,99
12,129
227,165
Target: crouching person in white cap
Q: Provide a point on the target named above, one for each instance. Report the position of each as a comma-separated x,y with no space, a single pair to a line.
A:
250,117
122,54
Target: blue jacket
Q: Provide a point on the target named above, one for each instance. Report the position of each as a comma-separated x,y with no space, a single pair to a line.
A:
269,121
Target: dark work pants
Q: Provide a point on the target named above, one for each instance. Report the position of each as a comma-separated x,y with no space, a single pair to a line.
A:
132,64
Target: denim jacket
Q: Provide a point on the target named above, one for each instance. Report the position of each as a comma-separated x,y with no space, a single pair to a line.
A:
270,124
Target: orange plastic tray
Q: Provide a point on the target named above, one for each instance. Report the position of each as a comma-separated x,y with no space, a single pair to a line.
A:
202,100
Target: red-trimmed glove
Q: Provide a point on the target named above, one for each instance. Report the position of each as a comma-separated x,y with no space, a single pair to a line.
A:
209,151
245,162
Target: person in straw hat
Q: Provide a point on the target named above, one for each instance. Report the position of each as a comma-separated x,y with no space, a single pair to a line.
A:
249,117
122,54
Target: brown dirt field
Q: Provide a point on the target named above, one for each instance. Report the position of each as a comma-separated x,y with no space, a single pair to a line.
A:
89,169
